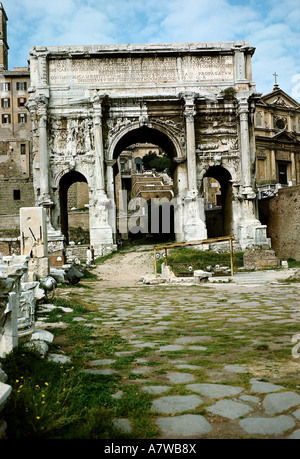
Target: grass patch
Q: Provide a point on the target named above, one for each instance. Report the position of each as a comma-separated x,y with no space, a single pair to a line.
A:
56,401
181,258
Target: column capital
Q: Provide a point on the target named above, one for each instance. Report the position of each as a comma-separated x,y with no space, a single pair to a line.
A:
110,162
179,159
41,102
96,101
189,108
243,107
97,98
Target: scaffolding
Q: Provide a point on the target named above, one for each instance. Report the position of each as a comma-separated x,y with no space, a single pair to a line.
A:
193,243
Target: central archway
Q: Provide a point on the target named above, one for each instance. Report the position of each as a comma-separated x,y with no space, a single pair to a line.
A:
152,192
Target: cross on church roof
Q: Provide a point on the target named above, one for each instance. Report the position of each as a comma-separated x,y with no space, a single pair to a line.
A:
275,76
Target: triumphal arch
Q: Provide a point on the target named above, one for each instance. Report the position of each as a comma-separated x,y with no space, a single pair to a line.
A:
196,101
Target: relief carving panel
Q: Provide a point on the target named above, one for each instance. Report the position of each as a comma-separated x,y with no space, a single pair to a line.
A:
217,133
70,137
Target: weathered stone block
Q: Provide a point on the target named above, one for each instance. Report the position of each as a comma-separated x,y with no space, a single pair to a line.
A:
260,259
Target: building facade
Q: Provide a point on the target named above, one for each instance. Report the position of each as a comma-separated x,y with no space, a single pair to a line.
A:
277,135
16,175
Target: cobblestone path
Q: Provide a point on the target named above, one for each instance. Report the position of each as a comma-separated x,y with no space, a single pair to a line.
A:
219,361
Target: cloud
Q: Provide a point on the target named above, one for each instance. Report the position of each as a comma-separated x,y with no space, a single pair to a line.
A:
296,86
271,26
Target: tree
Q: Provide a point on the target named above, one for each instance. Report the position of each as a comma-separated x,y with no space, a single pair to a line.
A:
153,161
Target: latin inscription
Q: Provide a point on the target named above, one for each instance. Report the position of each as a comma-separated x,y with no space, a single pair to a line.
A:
144,70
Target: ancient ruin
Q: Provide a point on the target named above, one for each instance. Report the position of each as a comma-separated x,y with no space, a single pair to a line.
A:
196,101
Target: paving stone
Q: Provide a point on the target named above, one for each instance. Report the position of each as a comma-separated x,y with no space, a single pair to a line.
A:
170,348
297,414
264,387
214,390
157,329
102,362
187,425
150,344
267,426
249,398
123,425
179,378
155,389
197,348
141,370
276,403
295,435
191,339
175,403
235,369
100,372
79,319
230,409
238,319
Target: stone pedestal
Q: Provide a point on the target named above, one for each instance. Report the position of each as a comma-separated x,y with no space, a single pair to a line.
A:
194,220
101,235
251,233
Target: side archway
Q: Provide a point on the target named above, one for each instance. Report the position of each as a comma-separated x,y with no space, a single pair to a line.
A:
65,183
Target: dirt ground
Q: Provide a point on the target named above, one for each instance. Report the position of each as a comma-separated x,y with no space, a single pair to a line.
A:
125,269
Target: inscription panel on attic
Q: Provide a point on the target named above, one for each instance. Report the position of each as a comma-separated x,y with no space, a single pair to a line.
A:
141,70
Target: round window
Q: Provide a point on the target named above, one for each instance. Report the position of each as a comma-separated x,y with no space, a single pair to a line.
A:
280,124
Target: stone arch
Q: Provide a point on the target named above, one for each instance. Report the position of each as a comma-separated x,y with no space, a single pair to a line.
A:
219,219
157,135
65,182
139,134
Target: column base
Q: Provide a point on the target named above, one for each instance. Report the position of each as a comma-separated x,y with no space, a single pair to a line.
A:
194,228
102,241
253,234
101,233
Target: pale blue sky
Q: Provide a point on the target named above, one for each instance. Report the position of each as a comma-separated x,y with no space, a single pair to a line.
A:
271,26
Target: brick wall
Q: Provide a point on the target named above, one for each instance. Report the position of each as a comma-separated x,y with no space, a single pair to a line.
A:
15,194
284,223
76,220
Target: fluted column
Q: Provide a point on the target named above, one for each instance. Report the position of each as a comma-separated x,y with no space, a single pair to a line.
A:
250,231
99,152
273,165
194,227
189,114
243,113
112,208
101,232
42,112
